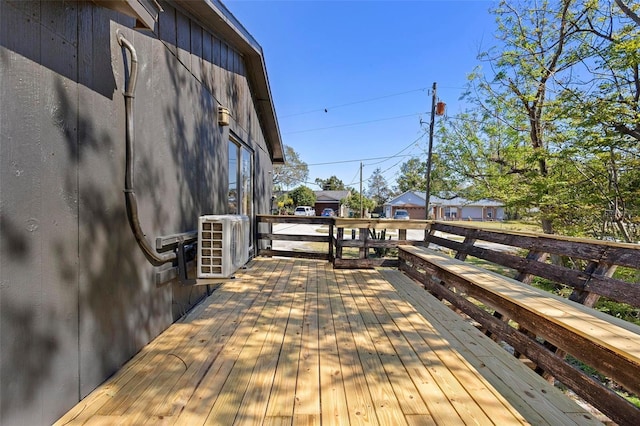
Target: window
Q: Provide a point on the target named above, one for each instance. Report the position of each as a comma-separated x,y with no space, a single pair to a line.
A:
450,212
240,192
246,182
233,179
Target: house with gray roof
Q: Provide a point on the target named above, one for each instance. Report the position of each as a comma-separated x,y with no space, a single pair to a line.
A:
330,199
456,208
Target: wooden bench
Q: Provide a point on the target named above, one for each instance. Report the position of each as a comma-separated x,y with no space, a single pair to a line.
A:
538,401
543,327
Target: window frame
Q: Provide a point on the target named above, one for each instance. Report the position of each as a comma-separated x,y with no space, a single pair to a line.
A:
240,149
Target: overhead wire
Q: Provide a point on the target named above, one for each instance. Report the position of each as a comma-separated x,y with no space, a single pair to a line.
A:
354,180
396,155
384,159
327,109
376,98
356,124
399,152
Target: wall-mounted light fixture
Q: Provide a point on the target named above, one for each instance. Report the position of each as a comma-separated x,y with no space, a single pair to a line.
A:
223,116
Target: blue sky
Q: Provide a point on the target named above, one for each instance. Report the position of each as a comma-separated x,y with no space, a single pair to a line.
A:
371,66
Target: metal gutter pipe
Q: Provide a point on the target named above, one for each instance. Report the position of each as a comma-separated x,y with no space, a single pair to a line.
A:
152,256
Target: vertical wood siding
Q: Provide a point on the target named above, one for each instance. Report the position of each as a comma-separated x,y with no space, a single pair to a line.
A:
77,297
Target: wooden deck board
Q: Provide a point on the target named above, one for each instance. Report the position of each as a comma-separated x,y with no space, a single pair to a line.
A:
386,403
296,342
332,392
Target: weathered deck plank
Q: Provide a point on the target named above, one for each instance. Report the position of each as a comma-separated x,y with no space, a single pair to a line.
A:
297,342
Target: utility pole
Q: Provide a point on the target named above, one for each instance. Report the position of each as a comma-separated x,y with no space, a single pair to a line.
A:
428,173
361,207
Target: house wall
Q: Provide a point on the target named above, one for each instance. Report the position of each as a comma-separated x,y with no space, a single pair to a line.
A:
77,296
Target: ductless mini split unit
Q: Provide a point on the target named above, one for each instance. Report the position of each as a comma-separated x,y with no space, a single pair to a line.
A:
223,245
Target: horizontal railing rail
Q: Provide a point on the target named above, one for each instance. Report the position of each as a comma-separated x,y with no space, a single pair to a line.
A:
267,235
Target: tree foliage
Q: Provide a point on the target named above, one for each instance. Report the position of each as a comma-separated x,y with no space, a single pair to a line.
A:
378,189
354,201
331,184
292,173
303,196
413,176
554,125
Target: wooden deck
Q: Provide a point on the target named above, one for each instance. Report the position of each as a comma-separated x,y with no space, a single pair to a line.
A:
297,342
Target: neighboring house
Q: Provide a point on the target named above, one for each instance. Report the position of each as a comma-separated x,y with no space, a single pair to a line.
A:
330,199
78,297
411,201
445,209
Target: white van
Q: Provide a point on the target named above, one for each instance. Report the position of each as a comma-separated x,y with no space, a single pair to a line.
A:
304,211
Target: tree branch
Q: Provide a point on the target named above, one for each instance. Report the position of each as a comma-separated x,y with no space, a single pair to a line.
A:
627,11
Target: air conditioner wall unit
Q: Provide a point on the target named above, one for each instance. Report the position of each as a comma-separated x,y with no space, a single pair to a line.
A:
223,245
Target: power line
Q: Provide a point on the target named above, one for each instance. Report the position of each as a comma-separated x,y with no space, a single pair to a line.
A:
396,155
330,108
327,109
329,163
399,152
356,124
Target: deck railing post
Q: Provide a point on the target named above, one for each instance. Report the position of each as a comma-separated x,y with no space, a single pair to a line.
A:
364,235
331,257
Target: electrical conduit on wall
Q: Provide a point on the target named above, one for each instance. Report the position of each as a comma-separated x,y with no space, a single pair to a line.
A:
152,256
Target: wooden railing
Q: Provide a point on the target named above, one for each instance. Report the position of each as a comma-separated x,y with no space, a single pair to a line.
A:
266,236
347,243
372,240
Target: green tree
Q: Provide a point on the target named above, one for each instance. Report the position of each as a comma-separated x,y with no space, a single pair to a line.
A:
378,189
293,172
303,196
540,45
605,118
412,175
627,10
354,202
555,128
331,184
285,203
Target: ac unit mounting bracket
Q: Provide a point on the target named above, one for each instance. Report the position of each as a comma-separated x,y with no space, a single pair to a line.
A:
183,278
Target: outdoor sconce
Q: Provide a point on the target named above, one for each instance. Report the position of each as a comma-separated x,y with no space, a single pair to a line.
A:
223,116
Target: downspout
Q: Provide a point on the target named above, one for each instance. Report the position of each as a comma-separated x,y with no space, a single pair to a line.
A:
152,256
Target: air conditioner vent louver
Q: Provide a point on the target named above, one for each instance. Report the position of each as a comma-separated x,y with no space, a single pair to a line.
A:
223,245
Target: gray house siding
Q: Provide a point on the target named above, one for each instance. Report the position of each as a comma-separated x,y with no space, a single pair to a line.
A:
77,296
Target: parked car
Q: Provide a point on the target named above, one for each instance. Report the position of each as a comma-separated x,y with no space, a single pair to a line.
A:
328,212
401,215
304,211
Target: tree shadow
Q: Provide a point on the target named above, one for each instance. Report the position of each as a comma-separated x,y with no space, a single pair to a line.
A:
112,306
